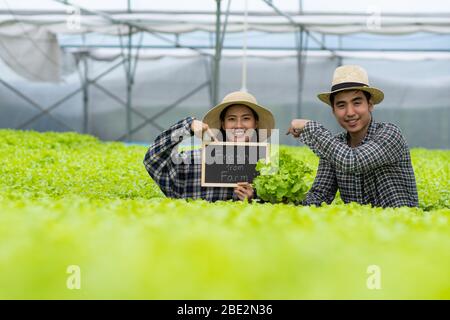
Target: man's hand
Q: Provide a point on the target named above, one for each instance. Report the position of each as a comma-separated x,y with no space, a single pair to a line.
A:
296,127
244,190
199,128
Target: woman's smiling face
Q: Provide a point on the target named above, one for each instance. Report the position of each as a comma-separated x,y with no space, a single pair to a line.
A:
239,123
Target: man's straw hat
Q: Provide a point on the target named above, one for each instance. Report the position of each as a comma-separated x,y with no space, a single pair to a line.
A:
351,78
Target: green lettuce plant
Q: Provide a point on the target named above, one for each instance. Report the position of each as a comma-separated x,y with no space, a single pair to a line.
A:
282,180
71,200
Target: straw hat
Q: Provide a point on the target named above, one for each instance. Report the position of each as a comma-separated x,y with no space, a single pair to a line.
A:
351,78
265,117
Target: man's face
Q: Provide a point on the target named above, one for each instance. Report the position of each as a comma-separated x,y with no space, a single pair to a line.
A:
238,122
352,110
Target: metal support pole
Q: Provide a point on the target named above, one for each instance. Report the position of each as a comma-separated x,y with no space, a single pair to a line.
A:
124,104
300,66
35,105
217,56
207,64
299,71
85,94
292,21
62,100
167,109
129,78
136,25
53,106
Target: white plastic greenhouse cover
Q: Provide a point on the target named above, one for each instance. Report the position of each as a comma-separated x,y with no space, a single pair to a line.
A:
29,42
154,54
186,22
33,45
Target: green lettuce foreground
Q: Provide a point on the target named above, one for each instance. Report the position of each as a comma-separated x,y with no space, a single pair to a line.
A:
69,199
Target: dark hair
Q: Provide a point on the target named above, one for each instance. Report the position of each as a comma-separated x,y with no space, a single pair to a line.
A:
333,95
224,112
222,118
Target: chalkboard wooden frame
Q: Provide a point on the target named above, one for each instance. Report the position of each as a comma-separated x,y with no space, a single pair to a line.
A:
230,185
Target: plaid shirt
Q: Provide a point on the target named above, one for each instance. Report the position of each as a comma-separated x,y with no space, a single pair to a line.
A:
378,171
178,174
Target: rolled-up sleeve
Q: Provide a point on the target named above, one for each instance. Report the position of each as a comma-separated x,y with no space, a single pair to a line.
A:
386,147
162,161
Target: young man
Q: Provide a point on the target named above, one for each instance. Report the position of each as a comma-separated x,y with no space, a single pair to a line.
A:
369,163
178,175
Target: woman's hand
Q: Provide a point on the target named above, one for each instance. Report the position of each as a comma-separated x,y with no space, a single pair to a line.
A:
244,190
199,128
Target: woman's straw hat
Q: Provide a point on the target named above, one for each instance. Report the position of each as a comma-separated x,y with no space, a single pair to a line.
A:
351,77
265,117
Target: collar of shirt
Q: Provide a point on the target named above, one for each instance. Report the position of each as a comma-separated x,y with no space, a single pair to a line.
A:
344,136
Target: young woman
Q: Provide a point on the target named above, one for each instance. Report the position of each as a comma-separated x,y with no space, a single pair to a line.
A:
237,118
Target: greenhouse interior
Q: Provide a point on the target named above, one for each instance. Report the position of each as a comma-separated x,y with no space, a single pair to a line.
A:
100,105
127,72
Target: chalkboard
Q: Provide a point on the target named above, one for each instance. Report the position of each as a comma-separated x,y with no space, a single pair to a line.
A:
224,164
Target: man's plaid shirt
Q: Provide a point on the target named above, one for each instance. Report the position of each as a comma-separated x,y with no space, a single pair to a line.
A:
178,174
378,171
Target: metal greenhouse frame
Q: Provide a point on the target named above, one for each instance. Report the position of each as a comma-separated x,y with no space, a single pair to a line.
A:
212,66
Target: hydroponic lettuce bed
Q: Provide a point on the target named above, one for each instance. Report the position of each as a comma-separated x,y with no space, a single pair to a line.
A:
71,200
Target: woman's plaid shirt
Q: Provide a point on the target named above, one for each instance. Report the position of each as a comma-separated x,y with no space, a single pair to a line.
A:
376,172
178,174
